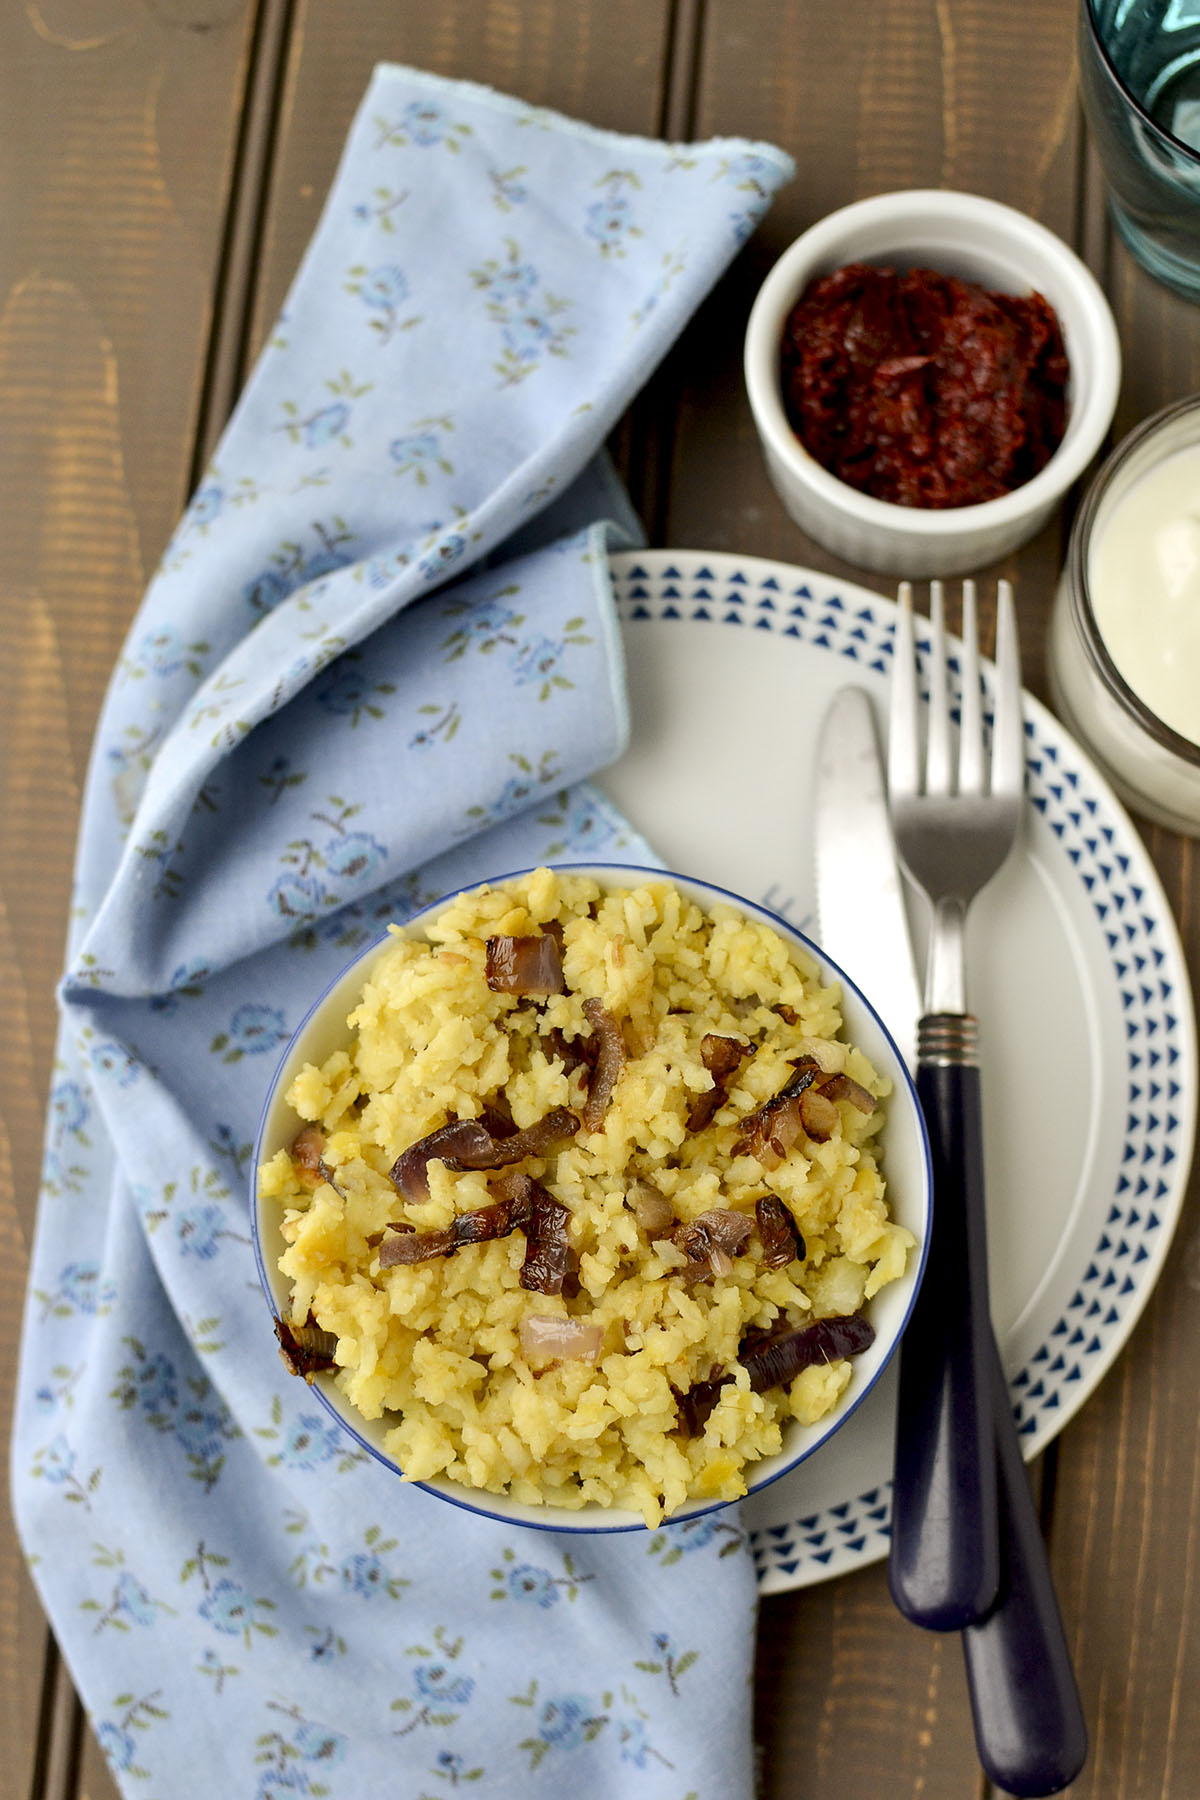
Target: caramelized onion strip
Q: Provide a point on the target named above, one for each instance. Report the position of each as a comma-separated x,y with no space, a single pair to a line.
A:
525,1205
610,1060
778,1357
525,965
468,1144
306,1349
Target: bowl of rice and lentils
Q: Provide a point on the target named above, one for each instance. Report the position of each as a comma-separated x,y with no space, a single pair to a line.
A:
590,1197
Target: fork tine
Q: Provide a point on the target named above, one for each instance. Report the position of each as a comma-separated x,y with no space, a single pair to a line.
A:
1008,729
938,779
904,763
970,733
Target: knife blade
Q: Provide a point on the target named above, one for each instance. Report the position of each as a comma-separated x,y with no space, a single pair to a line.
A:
1030,1731
860,900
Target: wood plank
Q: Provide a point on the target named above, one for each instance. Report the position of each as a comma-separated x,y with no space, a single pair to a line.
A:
1126,1526
118,131
848,1695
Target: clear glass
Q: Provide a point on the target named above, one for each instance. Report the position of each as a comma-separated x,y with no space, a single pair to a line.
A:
1153,768
1139,73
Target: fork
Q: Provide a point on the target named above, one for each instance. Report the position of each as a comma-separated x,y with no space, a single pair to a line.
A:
967,1547
954,825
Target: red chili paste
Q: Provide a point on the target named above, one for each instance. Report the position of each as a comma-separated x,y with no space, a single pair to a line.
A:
922,389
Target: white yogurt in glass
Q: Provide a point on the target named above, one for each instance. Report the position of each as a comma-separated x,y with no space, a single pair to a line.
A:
1144,581
1125,633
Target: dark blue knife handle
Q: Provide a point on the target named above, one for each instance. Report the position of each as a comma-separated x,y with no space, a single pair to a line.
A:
944,1566
1030,1729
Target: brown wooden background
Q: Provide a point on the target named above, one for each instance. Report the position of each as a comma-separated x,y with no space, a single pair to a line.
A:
162,164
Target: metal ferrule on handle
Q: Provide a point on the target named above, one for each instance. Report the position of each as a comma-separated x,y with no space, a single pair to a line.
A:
949,1040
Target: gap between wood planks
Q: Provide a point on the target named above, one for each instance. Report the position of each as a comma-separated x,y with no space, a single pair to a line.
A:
642,442
226,368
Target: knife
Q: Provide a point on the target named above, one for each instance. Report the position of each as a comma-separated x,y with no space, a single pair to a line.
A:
860,900
1029,1726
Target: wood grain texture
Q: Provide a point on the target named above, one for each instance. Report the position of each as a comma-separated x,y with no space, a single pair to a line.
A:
118,123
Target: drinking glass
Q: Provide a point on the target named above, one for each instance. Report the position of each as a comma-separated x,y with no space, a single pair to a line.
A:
1139,67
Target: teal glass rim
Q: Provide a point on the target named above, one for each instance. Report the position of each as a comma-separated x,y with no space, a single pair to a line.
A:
1178,144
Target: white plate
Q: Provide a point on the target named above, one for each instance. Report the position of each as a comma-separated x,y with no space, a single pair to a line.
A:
1075,970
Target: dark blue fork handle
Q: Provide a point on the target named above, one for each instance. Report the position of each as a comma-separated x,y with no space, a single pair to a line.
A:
1030,1730
944,1564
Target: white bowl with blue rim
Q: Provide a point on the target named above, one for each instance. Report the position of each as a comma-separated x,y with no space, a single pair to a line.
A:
905,1162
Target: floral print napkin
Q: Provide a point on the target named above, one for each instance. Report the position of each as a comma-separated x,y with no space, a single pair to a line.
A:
379,660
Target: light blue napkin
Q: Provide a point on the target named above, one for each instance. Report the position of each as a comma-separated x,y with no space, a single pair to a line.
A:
379,659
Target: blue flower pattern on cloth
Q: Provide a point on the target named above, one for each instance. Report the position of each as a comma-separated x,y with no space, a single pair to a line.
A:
379,660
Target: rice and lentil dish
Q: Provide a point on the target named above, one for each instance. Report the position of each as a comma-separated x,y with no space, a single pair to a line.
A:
590,1205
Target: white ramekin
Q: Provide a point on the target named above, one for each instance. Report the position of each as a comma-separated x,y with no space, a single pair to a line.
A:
978,240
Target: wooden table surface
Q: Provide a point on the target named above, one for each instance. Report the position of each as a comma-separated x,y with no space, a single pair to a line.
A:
162,164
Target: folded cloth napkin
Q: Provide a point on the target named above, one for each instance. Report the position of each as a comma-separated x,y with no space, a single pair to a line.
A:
314,728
